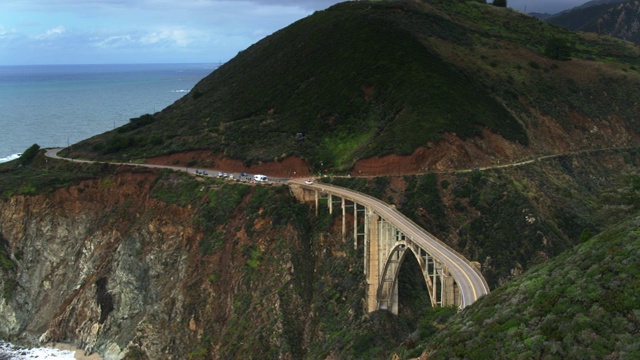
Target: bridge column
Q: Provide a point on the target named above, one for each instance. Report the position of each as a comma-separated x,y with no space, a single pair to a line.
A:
449,289
372,266
316,196
355,227
344,219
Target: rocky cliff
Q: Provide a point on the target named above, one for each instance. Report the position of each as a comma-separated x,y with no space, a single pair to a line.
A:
96,264
157,265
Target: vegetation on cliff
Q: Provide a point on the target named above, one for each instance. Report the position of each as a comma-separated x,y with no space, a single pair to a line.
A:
365,79
581,304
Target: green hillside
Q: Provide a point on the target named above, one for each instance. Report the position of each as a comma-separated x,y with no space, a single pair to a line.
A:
582,304
364,79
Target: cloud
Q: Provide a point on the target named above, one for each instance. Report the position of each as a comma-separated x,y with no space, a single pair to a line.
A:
51,33
114,41
140,30
176,36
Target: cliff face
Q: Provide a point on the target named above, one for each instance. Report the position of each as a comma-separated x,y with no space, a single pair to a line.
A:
158,265
95,264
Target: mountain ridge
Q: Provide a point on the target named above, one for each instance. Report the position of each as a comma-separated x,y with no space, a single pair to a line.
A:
614,18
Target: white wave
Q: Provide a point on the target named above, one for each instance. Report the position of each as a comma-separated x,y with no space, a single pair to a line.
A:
18,353
10,157
180,91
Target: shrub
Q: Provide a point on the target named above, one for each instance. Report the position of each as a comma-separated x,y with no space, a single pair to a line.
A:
29,154
136,123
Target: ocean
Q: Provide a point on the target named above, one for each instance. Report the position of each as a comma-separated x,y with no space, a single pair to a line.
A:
58,105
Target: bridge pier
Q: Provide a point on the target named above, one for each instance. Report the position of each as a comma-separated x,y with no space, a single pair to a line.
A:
372,262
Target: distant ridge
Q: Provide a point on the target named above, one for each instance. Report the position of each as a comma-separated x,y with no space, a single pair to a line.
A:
617,18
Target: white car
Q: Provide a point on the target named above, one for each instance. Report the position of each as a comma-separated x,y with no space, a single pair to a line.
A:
309,182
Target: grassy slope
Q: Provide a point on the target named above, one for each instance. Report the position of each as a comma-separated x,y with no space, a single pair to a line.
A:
366,79
582,304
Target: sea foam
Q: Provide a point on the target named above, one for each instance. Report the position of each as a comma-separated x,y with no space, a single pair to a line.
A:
9,351
10,157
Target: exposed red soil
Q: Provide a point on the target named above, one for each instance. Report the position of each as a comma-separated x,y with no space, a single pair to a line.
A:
289,167
450,153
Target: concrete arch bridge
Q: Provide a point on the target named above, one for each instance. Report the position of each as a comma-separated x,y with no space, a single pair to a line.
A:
388,237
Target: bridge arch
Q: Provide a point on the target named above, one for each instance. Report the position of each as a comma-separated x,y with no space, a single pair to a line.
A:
386,235
433,272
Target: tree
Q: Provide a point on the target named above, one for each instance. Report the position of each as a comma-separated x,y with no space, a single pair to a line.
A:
558,49
500,3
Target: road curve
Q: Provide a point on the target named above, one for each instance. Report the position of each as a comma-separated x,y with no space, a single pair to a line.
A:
472,284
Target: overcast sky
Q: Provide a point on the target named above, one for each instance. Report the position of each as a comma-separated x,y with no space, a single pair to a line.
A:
156,31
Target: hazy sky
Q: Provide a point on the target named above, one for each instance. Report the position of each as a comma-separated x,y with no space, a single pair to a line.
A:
155,31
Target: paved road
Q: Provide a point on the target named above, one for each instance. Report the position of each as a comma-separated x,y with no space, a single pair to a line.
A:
471,282
53,153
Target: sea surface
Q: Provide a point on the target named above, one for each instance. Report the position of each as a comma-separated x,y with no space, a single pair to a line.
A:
58,105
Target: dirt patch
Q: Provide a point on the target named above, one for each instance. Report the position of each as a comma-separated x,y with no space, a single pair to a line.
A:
290,167
451,153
